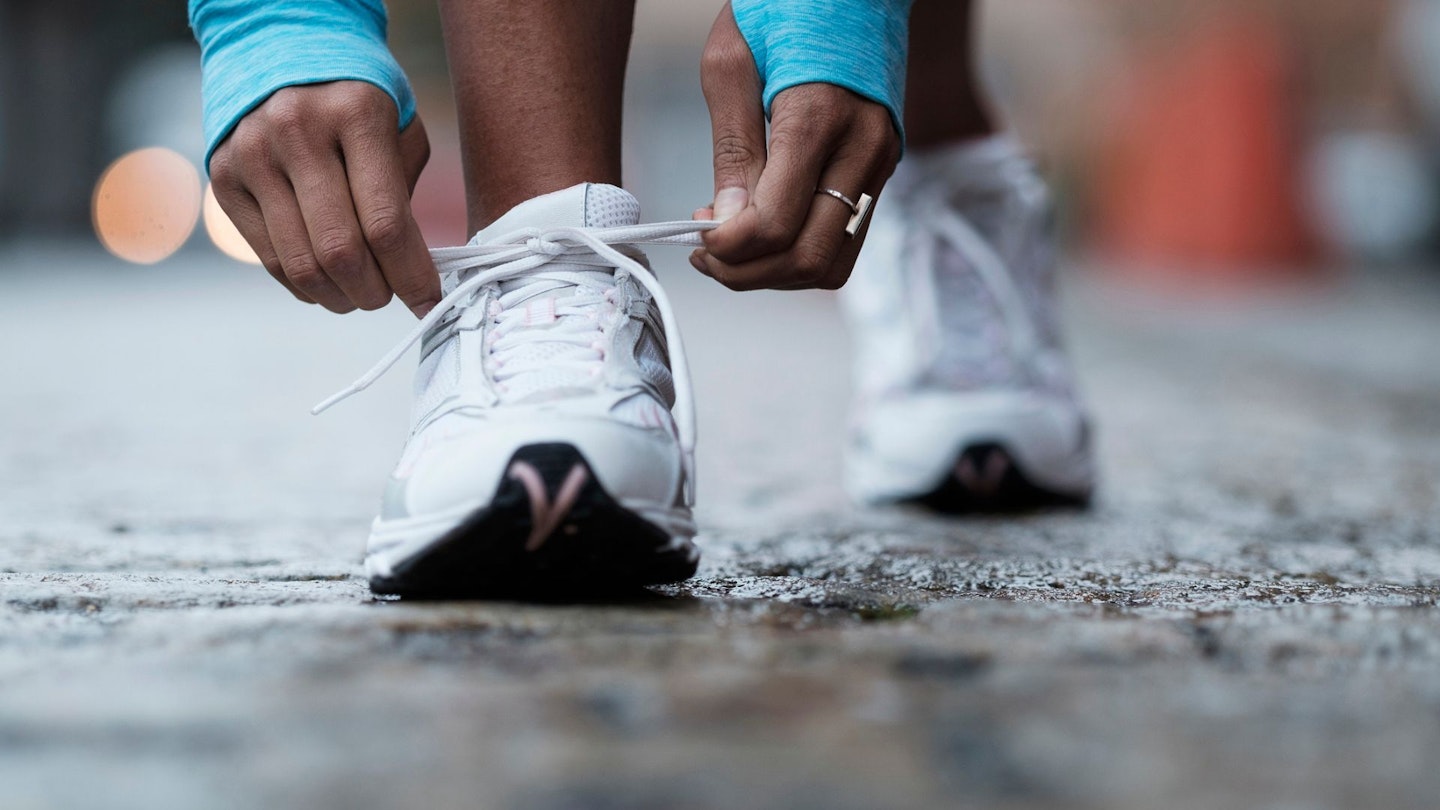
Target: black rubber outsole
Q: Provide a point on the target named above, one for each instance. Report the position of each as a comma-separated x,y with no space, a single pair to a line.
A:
986,480
600,547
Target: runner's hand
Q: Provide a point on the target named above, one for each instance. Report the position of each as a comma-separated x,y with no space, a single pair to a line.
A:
778,233
318,181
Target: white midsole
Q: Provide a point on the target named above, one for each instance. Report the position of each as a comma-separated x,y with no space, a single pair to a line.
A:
392,542
913,443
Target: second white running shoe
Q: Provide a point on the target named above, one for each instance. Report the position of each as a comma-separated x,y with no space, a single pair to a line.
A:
966,400
551,446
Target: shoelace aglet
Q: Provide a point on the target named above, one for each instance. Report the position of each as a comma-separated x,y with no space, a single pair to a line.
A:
335,399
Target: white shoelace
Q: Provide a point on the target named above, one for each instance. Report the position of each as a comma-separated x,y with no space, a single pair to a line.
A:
571,321
524,254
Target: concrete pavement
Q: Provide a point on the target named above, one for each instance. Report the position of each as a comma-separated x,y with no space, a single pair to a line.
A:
1247,618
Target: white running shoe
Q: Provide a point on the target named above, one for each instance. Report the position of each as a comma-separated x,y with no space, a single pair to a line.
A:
966,400
551,446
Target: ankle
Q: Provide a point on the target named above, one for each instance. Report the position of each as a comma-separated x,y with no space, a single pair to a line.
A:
948,124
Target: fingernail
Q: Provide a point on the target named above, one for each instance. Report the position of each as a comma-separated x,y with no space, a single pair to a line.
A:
729,202
421,310
696,262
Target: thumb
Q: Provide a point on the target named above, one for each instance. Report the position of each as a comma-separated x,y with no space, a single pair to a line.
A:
737,115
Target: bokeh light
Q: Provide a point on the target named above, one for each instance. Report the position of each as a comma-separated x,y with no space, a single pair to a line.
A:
146,205
223,232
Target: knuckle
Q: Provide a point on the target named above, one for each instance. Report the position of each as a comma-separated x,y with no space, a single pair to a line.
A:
223,174
356,105
385,231
337,253
721,58
734,153
288,117
249,146
364,113
304,273
290,128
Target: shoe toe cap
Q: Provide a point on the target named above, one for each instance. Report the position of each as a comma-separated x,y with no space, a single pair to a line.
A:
463,465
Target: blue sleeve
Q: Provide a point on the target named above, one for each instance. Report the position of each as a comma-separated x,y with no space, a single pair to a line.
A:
251,48
861,45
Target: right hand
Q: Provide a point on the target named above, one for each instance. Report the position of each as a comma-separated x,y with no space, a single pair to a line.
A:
318,180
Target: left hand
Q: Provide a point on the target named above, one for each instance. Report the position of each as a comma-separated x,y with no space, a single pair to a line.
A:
777,232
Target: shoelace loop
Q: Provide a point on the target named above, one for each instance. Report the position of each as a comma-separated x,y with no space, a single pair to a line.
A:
525,252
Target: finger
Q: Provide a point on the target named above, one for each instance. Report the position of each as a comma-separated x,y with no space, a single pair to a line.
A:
800,147
381,191
244,214
820,248
286,229
734,95
322,192
700,260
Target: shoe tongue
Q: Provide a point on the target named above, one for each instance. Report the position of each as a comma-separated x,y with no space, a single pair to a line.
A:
587,205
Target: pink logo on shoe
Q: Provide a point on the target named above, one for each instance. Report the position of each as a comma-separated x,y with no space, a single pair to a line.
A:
544,515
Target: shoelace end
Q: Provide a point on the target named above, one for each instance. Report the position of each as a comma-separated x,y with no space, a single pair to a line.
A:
328,403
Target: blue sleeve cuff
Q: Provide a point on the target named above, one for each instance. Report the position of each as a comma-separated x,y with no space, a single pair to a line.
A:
861,45
251,48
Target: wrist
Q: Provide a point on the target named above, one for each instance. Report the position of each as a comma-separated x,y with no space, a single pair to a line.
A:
860,45
249,50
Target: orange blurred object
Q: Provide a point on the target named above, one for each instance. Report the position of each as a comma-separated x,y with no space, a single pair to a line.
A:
1202,177
146,205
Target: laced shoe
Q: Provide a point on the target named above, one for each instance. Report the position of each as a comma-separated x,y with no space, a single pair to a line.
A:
552,440
965,398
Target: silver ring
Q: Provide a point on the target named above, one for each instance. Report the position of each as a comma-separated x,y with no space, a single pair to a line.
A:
854,209
858,211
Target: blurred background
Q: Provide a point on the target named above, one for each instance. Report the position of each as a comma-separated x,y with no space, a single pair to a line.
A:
1245,619
1192,141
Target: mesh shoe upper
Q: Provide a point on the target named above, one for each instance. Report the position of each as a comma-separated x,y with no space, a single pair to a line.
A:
955,287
